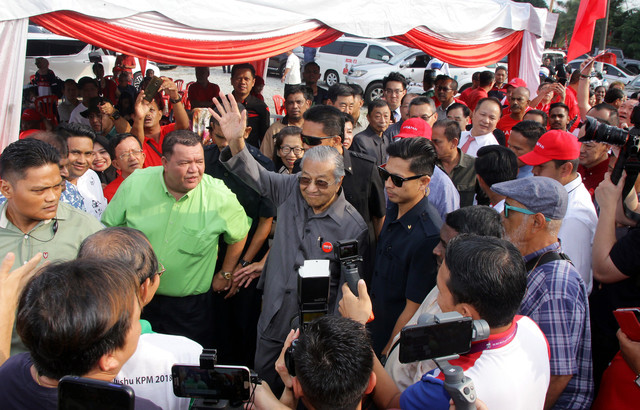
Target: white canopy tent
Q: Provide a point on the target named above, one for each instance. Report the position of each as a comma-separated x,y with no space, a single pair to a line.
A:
230,31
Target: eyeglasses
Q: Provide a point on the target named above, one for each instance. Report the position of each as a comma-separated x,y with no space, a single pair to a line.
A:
313,141
285,149
321,184
396,179
440,88
125,156
394,92
508,207
161,270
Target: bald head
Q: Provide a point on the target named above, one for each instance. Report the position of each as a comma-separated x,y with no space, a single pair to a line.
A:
519,101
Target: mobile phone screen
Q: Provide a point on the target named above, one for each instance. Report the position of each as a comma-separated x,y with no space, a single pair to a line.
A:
422,342
221,383
82,393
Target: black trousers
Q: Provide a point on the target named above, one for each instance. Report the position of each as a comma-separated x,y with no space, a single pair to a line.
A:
190,316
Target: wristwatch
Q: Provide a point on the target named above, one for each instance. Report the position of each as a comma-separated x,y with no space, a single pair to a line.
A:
226,275
115,115
244,263
175,101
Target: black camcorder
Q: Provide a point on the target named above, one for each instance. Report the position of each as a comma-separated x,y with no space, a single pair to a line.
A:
629,143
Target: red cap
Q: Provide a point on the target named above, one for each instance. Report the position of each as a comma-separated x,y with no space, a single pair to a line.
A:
30,115
415,127
517,82
554,144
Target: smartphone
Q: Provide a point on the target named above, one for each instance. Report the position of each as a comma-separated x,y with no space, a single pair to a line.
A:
231,383
629,321
81,393
423,342
152,88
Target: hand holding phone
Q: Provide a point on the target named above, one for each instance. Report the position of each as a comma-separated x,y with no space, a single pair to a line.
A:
629,321
152,89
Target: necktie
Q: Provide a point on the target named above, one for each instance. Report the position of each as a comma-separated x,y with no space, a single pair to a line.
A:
465,147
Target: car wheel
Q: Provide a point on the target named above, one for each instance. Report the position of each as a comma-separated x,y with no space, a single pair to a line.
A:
137,79
331,78
374,92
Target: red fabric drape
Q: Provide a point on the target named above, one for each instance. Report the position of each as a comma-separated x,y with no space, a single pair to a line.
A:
462,55
514,62
177,51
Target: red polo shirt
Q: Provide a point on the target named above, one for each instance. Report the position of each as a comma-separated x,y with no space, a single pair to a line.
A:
591,177
154,158
506,122
110,190
475,96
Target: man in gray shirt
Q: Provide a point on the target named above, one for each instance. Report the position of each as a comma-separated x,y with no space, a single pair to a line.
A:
312,215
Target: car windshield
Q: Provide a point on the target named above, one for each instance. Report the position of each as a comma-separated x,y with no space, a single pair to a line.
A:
397,49
398,58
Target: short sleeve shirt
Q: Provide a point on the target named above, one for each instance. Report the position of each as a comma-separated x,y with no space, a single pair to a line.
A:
199,93
405,267
153,150
184,233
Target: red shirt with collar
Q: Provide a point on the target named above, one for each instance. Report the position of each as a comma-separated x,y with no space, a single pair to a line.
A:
110,190
152,157
475,96
591,177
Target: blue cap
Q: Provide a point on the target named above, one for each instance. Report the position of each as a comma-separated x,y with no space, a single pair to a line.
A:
538,194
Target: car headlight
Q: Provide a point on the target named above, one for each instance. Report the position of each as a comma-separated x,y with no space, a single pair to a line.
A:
358,73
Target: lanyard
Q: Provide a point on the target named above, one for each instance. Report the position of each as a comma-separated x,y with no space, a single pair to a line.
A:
495,343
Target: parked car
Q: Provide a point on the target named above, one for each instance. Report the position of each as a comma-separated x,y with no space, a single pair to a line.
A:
632,86
631,65
369,76
71,58
610,72
277,63
337,58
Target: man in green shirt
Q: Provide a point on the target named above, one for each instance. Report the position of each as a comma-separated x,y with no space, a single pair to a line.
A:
33,220
183,213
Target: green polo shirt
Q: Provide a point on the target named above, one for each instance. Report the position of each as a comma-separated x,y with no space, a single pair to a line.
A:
59,244
184,233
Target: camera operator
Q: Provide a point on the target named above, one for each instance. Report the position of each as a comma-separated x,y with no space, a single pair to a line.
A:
333,366
482,278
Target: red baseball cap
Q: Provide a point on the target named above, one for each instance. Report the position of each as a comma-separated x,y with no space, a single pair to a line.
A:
31,115
415,127
517,82
554,144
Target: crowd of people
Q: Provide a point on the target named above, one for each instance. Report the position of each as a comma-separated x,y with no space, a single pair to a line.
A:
487,202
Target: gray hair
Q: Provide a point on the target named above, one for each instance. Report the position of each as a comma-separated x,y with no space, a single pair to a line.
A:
325,153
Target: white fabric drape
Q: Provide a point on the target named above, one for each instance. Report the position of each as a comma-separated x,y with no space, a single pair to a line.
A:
13,48
532,48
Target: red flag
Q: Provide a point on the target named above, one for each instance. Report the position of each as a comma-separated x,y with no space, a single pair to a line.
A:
588,13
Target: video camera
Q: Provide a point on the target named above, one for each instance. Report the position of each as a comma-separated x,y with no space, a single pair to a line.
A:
213,386
444,337
629,159
314,282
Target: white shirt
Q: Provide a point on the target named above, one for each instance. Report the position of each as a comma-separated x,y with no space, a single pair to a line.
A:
91,190
499,207
514,376
148,371
293,63
76,117
477,143
397,116
578,228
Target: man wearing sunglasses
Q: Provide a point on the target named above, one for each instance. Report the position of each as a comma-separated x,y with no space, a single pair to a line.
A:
556,155
405,268
556,297
313,214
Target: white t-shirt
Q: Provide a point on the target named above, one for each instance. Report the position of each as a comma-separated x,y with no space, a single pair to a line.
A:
148,371
75,116
477,143
578,229
91,190
514,376
293,63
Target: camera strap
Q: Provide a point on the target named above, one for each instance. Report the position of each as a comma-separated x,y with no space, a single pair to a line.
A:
495,343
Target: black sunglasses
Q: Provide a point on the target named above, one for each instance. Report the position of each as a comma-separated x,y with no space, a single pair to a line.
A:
396,179
313,141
